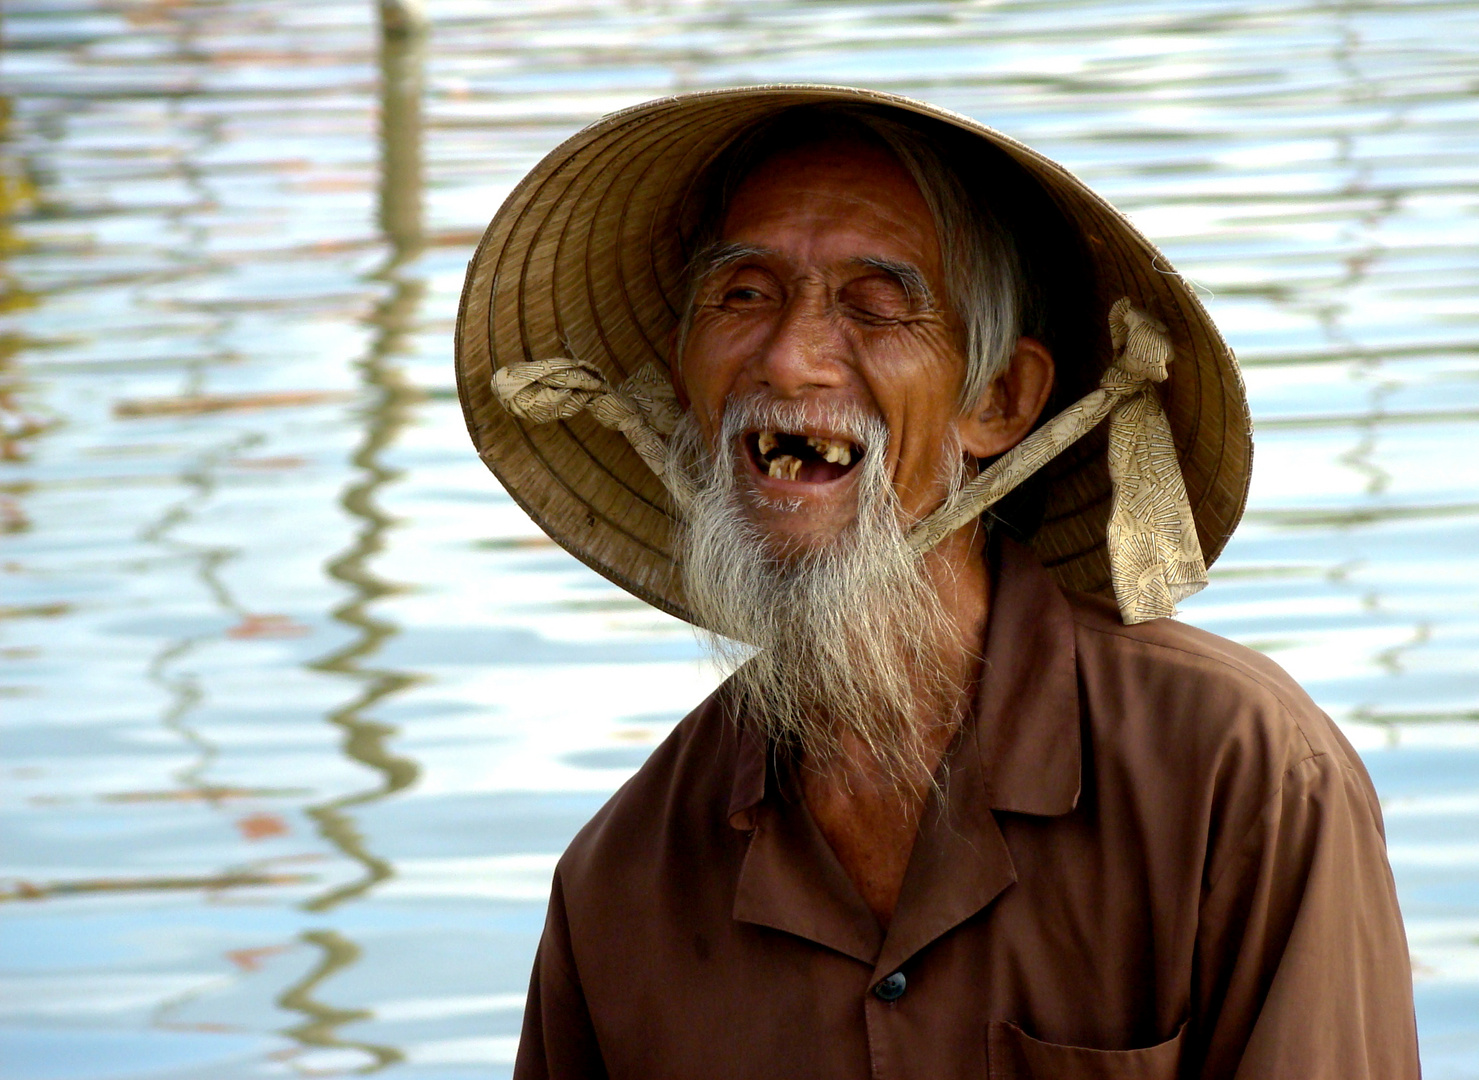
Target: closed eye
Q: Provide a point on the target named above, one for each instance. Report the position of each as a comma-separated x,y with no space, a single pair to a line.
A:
873,318
878,299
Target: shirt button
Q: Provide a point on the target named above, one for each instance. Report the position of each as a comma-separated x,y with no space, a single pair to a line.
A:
891,988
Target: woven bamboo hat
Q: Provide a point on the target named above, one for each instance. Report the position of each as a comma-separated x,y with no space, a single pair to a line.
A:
585,260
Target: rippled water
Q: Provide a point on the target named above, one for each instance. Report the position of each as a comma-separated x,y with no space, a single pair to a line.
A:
299,709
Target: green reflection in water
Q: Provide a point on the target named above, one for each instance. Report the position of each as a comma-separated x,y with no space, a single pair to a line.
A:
391,399
319,1030
388,409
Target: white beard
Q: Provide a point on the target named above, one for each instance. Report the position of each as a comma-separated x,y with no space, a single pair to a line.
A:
840,642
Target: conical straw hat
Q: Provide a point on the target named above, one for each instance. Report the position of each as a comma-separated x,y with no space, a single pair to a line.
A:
585,259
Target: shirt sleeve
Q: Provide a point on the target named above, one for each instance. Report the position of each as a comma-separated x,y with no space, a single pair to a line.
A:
1302,966
558,1041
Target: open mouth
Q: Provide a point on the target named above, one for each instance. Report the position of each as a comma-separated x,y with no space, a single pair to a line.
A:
810,459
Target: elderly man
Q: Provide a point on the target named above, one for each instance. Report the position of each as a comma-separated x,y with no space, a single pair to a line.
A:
947,818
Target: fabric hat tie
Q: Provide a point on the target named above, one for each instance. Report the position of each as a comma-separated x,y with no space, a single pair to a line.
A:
1154,554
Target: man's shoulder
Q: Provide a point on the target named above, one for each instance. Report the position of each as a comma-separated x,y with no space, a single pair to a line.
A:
1197,693
1215,729
680,792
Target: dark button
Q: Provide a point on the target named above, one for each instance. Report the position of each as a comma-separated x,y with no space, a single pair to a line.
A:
891,988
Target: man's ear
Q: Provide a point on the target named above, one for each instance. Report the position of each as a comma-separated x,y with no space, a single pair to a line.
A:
1005,413
675,373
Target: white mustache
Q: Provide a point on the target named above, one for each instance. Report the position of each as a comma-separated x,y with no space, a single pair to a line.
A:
847,420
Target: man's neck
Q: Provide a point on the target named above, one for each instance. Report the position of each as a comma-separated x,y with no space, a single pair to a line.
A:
869,818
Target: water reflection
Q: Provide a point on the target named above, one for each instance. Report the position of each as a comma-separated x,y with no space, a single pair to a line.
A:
320,1030
389,403
181,687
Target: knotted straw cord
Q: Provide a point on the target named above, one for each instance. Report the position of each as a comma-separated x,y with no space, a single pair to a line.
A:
644,408
1154,556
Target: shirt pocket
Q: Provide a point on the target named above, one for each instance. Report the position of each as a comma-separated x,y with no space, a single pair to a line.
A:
1012,1054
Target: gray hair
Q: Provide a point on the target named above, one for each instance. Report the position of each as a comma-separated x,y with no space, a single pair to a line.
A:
984,278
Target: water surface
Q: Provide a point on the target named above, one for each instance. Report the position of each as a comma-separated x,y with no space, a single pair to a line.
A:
298,709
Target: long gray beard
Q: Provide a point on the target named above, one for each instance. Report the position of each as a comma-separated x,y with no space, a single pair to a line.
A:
836,640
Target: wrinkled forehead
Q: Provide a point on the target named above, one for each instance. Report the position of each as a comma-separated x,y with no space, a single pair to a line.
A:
840,201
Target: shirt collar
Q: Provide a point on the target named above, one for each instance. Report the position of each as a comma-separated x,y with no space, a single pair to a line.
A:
750,772
1020,755
1027,726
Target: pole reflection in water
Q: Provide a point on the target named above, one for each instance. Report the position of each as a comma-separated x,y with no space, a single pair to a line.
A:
390,401
388,408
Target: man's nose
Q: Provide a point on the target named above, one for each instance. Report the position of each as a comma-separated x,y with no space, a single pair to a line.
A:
806,350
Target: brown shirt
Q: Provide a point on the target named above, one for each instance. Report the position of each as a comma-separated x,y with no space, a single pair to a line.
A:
1154,858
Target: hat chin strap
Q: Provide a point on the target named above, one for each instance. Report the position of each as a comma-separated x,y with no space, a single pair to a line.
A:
1155,558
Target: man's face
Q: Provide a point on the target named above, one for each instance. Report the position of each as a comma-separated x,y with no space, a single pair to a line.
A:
832,294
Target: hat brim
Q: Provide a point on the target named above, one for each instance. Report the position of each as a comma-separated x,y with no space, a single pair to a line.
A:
585,259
